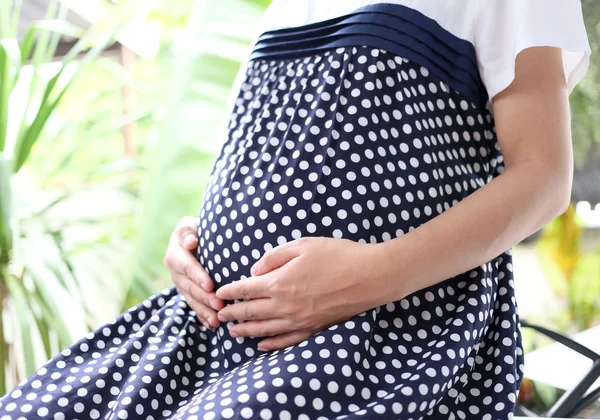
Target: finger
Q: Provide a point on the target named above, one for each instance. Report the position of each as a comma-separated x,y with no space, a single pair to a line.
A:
187,226
190,302
262,328
193,270
209,300
197,307
250,288
273,259
179,261
247,310
189,242
284,340
205,314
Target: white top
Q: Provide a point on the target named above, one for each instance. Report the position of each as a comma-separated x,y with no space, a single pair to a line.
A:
498,29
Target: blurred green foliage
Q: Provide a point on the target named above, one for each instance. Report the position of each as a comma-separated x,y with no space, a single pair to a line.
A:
585,99
42,303
573,273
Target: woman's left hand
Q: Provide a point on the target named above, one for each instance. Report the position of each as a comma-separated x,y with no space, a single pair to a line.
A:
302,287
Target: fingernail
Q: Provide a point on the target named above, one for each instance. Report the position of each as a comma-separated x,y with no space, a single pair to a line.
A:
221,317
261,348
233,333
190,243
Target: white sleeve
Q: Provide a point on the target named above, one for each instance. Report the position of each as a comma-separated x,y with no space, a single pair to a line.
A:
504,28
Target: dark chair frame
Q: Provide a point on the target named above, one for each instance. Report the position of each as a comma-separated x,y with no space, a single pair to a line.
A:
574,400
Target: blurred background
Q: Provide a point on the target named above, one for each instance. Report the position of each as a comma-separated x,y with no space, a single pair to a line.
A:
111,116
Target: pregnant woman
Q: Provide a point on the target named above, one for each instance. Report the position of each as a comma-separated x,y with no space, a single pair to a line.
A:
353,248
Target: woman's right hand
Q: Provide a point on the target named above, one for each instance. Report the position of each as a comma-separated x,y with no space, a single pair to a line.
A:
190,278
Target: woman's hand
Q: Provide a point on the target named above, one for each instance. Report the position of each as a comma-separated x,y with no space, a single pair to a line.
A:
190,278
301,288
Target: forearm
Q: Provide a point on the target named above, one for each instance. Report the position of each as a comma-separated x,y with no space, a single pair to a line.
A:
477,229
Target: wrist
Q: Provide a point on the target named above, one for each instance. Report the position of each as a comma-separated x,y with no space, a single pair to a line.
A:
388,276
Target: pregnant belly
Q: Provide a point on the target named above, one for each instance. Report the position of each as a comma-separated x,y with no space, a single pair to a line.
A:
318,159
352,191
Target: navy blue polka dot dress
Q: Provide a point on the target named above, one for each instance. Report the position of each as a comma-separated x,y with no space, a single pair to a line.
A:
346,129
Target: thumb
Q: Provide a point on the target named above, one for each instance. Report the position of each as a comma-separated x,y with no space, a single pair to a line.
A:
185,233
273,259
189,241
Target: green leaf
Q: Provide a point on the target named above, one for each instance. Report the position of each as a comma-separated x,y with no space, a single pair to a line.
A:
18,293
98,37
44,331
27,44
55,35
57,325
546,393
32,132
40,43
554,274
47,291
14,28
4,354
58,200
55,28
10,66
5,24
59,263
584,290
5,209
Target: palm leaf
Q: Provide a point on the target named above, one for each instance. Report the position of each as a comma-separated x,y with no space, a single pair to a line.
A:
5,210
32,132
10,65
48,292
27,44
55,26
14,28
46,299
18,294
90,45
5,23
3,344
36,45
56,35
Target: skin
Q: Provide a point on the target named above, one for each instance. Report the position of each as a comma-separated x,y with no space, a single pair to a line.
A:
189,277
309,284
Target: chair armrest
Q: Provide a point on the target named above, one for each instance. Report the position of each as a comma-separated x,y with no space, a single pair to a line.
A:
564,340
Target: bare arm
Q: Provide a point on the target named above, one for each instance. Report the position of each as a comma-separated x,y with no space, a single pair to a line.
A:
533,128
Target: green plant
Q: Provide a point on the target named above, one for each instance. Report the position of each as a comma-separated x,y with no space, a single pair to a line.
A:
573,273
42,308
585,99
